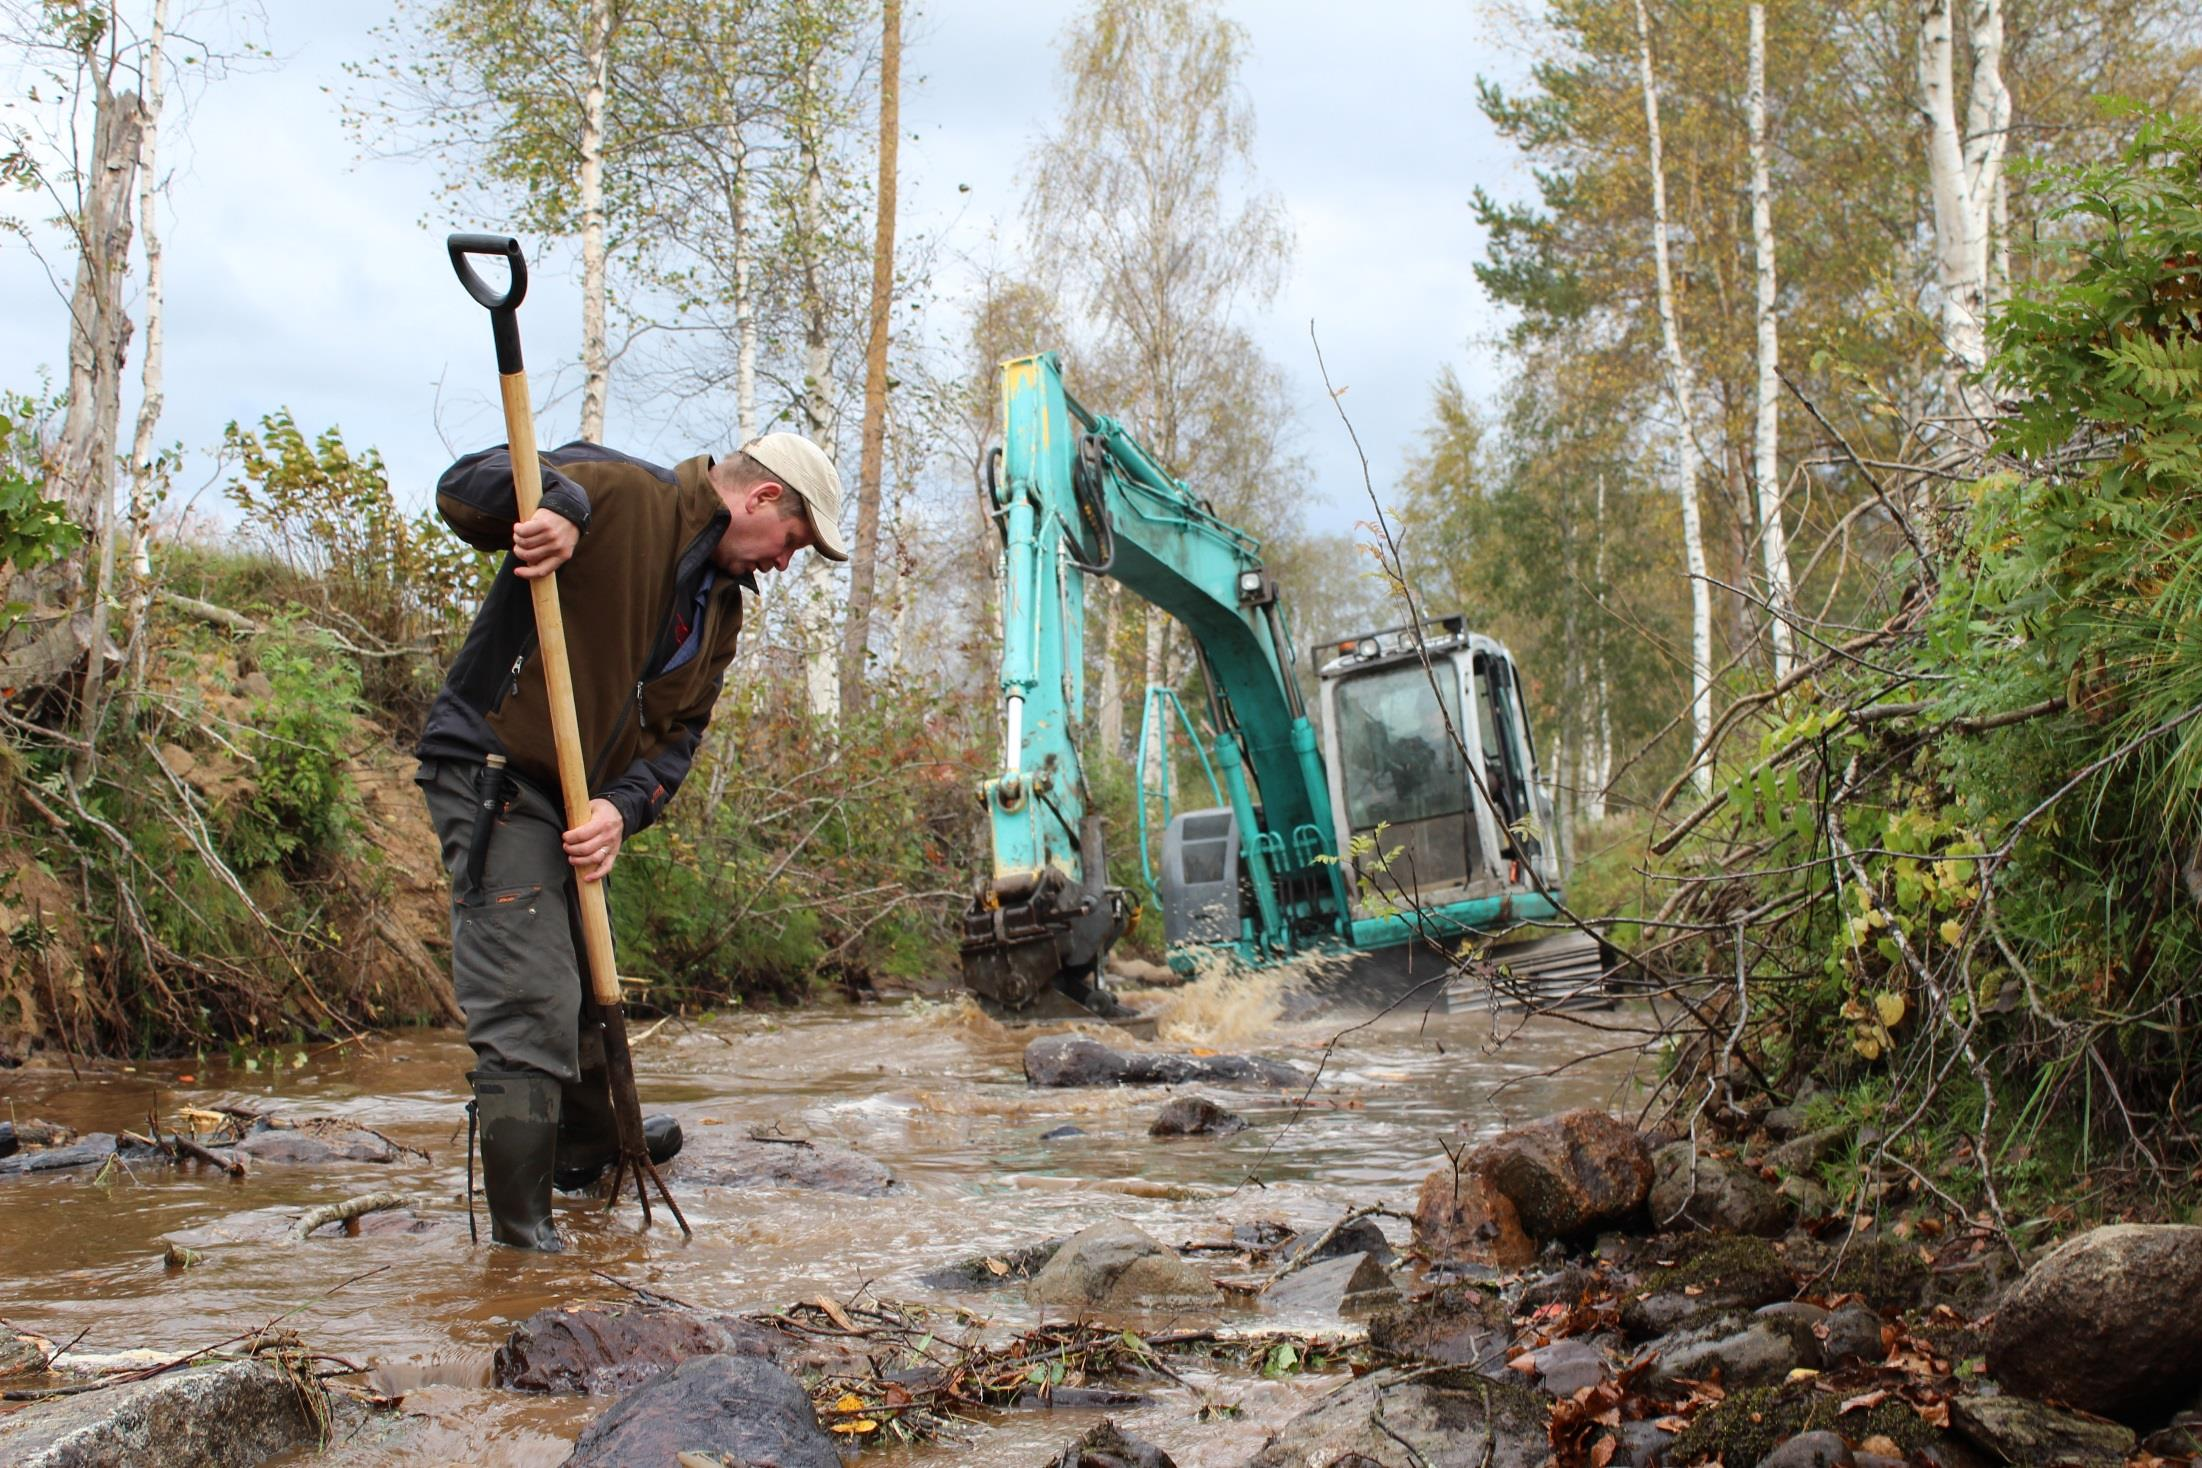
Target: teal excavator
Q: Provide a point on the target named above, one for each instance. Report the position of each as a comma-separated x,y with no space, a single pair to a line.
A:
1376,840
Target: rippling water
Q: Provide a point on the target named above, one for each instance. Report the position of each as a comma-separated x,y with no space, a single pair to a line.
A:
933,1090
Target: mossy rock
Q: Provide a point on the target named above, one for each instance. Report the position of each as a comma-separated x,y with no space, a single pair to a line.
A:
1888,1272
1750,1424
1727,1269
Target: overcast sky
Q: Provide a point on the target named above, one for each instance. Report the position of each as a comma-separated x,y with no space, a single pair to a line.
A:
300,276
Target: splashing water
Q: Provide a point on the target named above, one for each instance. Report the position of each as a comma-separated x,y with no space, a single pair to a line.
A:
1228,1003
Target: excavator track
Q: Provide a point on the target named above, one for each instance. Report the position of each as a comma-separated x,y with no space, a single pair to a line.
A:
1569,969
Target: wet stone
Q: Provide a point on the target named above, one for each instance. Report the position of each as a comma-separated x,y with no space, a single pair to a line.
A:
1351,1284
1445,1420
735,1406
292,1146
1458,1325
1562,1287
2022,1431
1107,1446
1853,1334
1762,1353
1116,1267
88,1151
1361,1236
2107,1322
16,1135
232,1415
22,1352
1063,1133
1195,1116
1818,1449
1692,1190
1567,1366
713,1161
1459,1216
978,1272
603,1350
1569,1174
1078,1060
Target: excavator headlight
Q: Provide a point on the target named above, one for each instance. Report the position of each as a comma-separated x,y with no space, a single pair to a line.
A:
1365,648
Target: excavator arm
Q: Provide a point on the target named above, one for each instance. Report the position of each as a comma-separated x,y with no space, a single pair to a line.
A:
1075,495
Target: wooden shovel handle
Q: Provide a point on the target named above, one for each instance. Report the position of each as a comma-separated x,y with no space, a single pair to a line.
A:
550,637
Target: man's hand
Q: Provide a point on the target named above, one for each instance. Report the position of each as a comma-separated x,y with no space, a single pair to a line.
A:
593,846
543,542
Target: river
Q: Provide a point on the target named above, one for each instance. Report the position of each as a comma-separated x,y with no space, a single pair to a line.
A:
934,1090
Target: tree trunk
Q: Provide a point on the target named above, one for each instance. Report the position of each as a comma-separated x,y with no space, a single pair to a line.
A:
1773,536
1111,723
1598,760
1158,634
98,340
856,635
1681,387
596,356
1965,175
821,662
143,465
745,305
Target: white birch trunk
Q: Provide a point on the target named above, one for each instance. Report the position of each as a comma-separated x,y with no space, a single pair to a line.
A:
1681,387
151,398
1111,720
99,335
1773,536
1965,177
745,305
596,356
821,654
1598,752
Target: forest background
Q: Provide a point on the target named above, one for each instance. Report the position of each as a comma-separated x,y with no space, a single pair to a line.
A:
1834,497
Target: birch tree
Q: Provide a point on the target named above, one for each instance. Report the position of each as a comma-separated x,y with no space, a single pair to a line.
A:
1130,211
1773,535
145,467
1681,390
864,558
1965,178
526,107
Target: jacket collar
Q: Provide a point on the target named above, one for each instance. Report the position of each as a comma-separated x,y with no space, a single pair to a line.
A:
700,504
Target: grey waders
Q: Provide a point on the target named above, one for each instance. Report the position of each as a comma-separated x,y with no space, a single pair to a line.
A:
518,1117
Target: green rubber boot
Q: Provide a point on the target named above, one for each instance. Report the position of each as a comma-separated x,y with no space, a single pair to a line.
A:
518,1113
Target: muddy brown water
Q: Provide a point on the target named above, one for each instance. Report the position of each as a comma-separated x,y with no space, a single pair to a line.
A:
933,1090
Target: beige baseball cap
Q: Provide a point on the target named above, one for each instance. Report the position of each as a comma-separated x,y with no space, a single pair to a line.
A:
803,467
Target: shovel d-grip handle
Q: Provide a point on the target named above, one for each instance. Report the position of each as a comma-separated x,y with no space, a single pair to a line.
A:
504,307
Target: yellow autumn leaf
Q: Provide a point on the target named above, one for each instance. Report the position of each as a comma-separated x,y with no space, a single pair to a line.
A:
850,1402
1950,930
856,1424
1890,1007
1867,1046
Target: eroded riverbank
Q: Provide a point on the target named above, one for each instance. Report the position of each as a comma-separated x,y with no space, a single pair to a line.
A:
934,1093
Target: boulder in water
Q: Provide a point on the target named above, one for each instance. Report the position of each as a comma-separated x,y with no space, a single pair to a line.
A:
734,1406
1116,1267
604,1350
1107,1446
1195,1116
715,1161
1079,1060
1569,1174
1350,1284
1460,1216
230,1415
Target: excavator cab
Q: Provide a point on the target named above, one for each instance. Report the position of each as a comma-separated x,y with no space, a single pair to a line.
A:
1434,773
